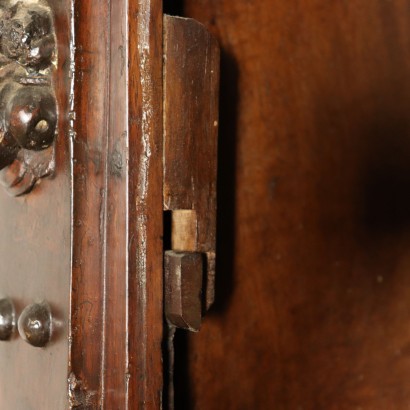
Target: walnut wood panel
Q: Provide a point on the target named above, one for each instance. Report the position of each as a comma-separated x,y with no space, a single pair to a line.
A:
117,257
36,261
313,285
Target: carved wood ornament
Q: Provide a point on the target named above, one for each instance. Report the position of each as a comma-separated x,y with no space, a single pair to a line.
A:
28,112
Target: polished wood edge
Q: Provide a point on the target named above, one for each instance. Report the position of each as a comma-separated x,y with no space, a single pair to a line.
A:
117,286
145,199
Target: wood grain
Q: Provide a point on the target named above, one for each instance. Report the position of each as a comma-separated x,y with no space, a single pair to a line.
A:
313,288
183,289
89,152
145,193
191,90
117,273
99,218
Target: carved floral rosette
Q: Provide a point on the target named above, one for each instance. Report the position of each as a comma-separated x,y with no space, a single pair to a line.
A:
28,111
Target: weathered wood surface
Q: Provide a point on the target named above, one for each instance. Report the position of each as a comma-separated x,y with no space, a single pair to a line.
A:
35,252
313,288
95,228
191,104
183,289
117,257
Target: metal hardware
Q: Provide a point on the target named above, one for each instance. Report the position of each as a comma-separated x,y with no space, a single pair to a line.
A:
28,111
35,324
7,319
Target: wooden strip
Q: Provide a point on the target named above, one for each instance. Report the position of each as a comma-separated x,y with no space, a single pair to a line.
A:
91,93
191,90
145,205
116,218
191,85
117,316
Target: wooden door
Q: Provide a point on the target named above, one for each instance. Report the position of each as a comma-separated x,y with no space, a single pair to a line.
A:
36,235
87,240
311,307
312,295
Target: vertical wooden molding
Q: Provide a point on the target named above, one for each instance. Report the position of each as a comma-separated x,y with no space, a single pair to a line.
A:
115,354
90,139
117,285
145,199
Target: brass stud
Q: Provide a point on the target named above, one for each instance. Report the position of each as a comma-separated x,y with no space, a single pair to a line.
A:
7,319
35,324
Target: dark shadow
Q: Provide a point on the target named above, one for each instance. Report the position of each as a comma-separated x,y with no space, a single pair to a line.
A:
166,343
174,7
167,223
182,381
226,188
386,180
168,358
